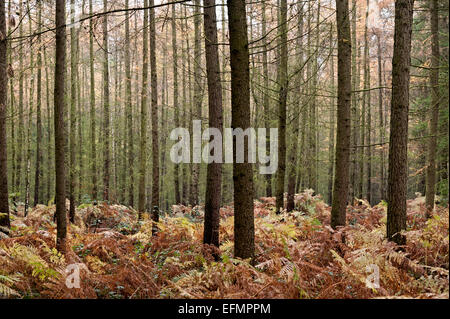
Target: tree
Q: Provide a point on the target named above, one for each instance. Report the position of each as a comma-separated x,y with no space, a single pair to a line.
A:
434,118
290,204
4,207
106,115
197,97
398,140
93,150
214,170
341,178
154,96
38,172
244,227
60,78
175,100
73,117
282,100
143,146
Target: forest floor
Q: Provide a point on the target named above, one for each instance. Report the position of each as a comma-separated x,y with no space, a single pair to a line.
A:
298,255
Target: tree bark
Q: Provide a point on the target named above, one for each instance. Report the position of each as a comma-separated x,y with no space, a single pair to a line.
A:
341,179
154,93
60,74
106,106
144,93
244,228
214,170
398,141
283,91
4,207
434,118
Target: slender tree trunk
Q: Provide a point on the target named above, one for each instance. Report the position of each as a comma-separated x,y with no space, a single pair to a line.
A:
4,207
20,140
290,205
398,141
37,174
283,90
49,152
106,120
332,124
73,118
129,110
341,179
244,227
154,92
197,96
30,121
434,118
60,66
214,170
93,151
175,100
143,135
381,119
266,100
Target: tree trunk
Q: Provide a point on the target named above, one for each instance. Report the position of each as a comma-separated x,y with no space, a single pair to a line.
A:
293,162
214,170
381,117
144,93
73,119
197,97
434,118
175,100
106,120
93,151
4,207
37,174
60,66
332,121
154,92
244,228
283,90
341,179
398,141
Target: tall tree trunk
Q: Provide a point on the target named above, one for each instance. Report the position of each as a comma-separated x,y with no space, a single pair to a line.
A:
30,121
175,100
283,90
197,97
354,178
49,152
93,151
60,66
20,137
4,207
332,121
214,170
290,205
381,118
244,227
106,120
341,179
434,119
266,100
398,141
143,135
129,110
154,92
73,118
37,174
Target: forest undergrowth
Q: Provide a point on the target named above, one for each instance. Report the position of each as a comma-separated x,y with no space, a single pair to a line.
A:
298,254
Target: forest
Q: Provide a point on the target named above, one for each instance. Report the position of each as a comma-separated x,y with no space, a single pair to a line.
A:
266,149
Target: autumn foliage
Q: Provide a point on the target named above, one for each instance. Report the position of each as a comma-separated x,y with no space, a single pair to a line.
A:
298,254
